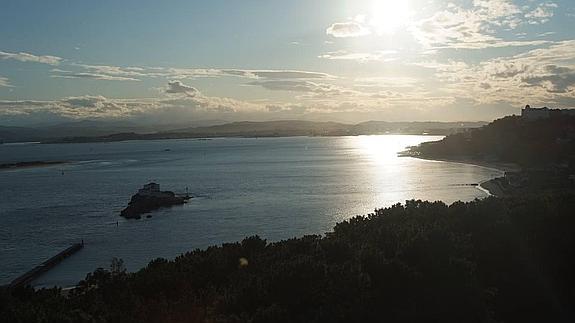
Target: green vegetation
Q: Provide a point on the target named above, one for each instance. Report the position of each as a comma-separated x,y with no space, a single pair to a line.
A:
511,139
491,260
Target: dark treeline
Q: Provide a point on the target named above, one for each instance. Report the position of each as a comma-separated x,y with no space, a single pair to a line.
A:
530,143
491,260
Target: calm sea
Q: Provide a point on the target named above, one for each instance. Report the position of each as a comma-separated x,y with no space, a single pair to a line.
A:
277,188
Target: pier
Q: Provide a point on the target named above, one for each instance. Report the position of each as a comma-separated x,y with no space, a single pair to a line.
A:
37,271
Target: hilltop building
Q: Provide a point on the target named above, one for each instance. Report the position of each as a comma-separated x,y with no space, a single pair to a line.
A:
530,113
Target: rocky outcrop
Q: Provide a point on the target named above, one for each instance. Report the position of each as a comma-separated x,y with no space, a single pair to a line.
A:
141,204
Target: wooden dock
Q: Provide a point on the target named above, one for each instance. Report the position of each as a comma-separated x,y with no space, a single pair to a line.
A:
37,271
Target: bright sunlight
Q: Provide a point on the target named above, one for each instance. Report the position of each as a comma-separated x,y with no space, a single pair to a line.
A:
389,15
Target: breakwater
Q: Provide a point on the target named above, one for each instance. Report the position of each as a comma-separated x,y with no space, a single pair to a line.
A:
35,272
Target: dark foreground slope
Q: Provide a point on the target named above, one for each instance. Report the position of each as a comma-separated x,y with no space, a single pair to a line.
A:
493,260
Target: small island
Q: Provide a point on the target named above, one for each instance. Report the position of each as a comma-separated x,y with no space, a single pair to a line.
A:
150,198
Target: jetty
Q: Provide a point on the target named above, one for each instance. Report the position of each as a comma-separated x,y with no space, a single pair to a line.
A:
37,271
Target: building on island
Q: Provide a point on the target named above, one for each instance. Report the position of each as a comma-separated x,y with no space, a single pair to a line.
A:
530,113
150,198
152,190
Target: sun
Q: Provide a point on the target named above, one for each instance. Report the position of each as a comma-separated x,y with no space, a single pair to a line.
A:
389,15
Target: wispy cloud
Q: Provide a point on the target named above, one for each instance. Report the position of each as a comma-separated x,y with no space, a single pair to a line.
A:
133,73
541,14
242,73
92,76
4,82
456,27
314,90
27,57
539,76
382,55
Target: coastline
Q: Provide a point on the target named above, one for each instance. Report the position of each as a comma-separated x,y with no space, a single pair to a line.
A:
32,164
493,187
504,167
89,140
490,186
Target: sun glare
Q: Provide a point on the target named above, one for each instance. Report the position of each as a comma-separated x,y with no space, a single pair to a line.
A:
389,15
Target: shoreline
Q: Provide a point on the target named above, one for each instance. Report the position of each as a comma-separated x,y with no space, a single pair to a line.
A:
490,186
95,140
32,164
504,167
493,187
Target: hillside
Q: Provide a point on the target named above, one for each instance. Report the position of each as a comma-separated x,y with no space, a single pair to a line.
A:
529,143
267,129
492,260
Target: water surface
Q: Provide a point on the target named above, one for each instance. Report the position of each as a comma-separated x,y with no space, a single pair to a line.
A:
277,188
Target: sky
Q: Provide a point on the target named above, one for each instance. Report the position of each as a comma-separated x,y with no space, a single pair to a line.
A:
323,60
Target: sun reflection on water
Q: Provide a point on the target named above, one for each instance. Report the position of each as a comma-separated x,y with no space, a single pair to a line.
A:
391,178
381,149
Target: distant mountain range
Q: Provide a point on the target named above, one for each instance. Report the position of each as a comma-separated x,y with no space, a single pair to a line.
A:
99,131
84,128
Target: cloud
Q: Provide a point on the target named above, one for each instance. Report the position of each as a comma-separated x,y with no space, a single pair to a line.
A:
297,86
347,29
26,57
541,76
541,14
387,82
252,74
4,82
177,87
109,73
92,76
553,78
86,101
382,56
70,107
312,90
116,70
287,74
459,28
133,73
499,12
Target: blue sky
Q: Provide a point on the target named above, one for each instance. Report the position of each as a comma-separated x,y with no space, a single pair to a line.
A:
335,60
